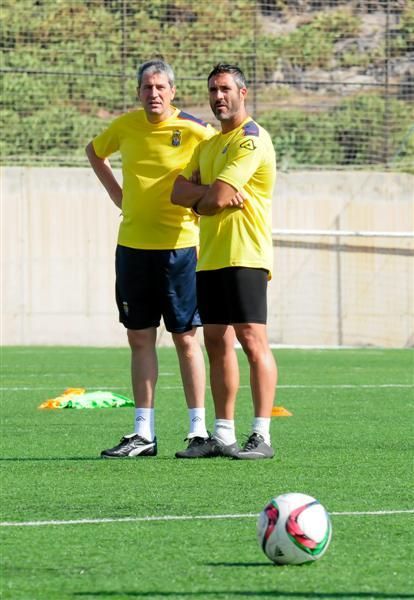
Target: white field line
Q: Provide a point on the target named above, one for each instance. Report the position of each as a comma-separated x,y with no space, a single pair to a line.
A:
183,518
55,375
179,387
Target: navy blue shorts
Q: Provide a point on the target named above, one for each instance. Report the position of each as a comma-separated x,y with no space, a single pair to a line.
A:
151,284
232,295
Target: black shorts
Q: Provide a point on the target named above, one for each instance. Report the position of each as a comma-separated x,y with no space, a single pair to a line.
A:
151,284
232,295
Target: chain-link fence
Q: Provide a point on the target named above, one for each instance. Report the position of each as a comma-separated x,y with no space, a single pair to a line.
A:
332,80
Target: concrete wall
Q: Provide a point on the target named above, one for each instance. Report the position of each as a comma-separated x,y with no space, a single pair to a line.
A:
59,231
348,290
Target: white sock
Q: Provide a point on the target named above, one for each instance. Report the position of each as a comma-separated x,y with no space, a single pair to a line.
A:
144,423
224,431
197,418
261,425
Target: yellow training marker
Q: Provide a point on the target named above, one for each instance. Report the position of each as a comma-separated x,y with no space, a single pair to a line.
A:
280,411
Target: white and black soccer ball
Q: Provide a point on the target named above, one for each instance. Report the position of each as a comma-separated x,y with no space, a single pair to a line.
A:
293,529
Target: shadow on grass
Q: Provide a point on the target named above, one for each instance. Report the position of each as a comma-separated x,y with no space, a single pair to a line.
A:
56,458
60,458
246,594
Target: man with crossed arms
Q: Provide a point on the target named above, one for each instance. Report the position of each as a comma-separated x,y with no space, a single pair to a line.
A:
229,183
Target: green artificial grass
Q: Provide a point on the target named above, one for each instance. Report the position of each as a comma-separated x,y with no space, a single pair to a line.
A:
348,444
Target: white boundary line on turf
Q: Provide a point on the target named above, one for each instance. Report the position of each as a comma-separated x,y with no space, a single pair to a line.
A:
184,518
286,386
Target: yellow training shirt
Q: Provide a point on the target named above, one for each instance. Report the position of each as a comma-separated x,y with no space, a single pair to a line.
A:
152,157
245,159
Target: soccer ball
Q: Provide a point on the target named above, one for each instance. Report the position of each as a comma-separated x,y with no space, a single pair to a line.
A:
293,529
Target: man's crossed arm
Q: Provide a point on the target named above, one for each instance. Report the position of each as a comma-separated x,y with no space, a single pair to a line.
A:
205,199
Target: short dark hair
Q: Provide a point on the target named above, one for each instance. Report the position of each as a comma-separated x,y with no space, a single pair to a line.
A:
156,65
237,73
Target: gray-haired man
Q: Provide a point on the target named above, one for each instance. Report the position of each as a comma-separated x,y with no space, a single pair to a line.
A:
156,251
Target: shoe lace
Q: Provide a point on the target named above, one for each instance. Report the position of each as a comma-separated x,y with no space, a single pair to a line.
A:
196,441
253,441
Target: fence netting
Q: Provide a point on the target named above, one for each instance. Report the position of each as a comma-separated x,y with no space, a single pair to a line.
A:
331,80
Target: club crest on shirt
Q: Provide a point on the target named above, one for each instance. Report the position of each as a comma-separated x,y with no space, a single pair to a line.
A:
176,137
248,144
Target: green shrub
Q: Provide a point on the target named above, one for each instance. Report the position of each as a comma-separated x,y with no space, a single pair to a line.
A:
353,134
340,23
59,132
66,64
402,38
302,139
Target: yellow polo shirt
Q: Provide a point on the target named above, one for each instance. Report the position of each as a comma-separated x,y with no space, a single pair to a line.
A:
152,157
244,158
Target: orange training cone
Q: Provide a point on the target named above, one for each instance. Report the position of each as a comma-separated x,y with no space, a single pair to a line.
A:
280,411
